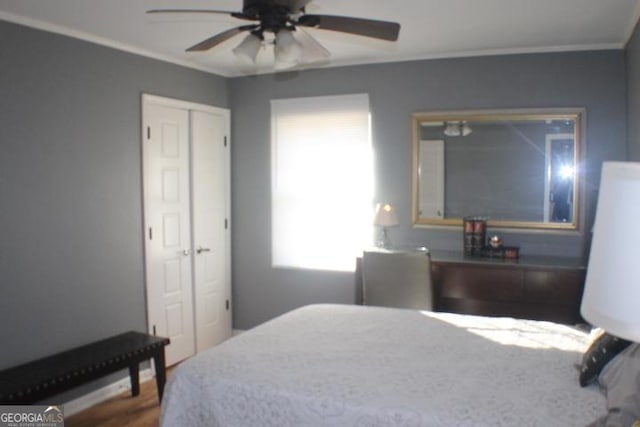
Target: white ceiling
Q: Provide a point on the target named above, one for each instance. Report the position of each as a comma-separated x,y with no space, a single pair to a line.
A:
430,28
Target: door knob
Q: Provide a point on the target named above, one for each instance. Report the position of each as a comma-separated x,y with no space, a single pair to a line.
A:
186,252
201,249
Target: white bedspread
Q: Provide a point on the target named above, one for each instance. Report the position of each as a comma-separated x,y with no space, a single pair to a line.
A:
339,365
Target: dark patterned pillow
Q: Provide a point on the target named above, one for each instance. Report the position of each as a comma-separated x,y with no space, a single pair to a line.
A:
604,348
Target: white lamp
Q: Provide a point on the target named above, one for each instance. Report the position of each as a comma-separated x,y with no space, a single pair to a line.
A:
612,290
385,217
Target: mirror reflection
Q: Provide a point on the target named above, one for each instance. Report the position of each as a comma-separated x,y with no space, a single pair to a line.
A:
517,168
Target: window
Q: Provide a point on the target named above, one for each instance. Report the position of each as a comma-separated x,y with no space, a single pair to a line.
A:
322,181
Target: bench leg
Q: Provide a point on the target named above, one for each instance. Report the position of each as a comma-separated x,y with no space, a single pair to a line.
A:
134,373
161,373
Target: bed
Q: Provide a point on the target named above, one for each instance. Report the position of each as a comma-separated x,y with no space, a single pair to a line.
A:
341,365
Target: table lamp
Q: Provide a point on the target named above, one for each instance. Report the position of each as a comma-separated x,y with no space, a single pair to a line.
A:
385,217
611,297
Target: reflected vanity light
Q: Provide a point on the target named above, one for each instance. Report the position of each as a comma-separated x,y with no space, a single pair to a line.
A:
385,217
457,128
566,172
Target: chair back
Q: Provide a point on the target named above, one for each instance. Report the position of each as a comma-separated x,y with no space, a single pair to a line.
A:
397,279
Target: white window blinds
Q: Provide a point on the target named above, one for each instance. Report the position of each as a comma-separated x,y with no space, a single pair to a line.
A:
322,181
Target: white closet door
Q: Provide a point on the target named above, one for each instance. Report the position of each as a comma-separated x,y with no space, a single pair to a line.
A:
187,242
168,228
212,285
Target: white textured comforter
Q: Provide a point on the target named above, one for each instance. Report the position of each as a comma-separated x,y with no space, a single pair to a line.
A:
335,365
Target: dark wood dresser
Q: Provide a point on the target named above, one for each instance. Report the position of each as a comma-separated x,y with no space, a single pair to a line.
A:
533,287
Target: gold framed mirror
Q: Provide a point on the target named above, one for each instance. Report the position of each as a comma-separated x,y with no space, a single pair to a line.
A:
517,168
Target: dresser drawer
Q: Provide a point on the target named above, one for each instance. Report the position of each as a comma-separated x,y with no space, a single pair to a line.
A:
479,283
523,290
562,287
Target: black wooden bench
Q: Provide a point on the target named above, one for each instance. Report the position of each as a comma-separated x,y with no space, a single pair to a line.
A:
43,378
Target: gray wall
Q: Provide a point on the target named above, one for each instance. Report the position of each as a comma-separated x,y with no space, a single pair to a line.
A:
633,94
594,80
71,249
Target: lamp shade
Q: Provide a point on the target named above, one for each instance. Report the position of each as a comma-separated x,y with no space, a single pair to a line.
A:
312,51
247,50
287,50
611,297
385,215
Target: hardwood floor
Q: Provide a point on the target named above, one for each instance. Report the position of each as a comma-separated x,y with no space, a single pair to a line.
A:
122,410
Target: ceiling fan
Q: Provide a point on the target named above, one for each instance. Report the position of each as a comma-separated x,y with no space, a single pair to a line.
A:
283,19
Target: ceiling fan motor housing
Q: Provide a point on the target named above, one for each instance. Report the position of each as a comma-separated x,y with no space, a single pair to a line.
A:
273,15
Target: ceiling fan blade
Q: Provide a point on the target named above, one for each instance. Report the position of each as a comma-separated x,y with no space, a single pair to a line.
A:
225,12
363,27
198,11
219,38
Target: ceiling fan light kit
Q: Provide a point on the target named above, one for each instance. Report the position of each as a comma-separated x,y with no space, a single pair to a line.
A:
456,128
284,18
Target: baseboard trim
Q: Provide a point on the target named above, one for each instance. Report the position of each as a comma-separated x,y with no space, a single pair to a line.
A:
100,395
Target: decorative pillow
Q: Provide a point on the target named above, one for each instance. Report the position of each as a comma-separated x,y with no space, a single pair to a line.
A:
604,348
621,381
